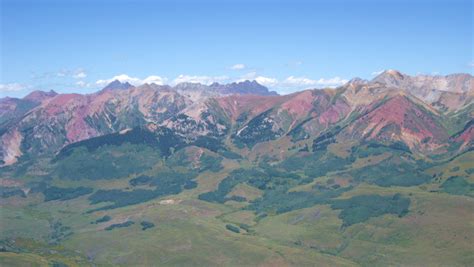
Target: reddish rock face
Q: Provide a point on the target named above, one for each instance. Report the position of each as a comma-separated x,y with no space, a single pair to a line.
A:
7,105
466,137
335,113
40,96
235,105
400,119
300,104
63,102
289,109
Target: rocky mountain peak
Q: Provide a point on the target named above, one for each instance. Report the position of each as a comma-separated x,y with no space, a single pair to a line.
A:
118,85
245,87
235,88
390,77
357,81
38,96
394,73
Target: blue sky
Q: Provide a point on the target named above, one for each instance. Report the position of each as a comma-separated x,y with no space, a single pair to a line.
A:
78,46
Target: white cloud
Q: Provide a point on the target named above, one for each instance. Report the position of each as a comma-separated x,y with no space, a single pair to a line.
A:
303,82
79,74
299,81
267,81
12,87
248,76
154,79
207,80
332,82
292,83
76,74
471,64
133,80
122,78
375,73
238,67
82,84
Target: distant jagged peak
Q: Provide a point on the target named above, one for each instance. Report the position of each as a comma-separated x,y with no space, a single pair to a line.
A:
247,83
117,85
38,95
461,75
190,86
153,86
394,73
240,83
390,77
397,75
447,76
357,81
244,87
238,87
422,84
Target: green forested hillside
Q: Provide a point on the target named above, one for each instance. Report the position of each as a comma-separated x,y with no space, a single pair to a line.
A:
130,199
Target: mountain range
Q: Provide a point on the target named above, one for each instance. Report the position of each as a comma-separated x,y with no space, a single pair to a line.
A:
371,173
427,113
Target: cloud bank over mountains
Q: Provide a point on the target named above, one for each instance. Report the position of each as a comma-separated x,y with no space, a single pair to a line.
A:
289,84
80,80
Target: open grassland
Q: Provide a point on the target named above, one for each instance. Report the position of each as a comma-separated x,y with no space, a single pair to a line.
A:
189,232
342,208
